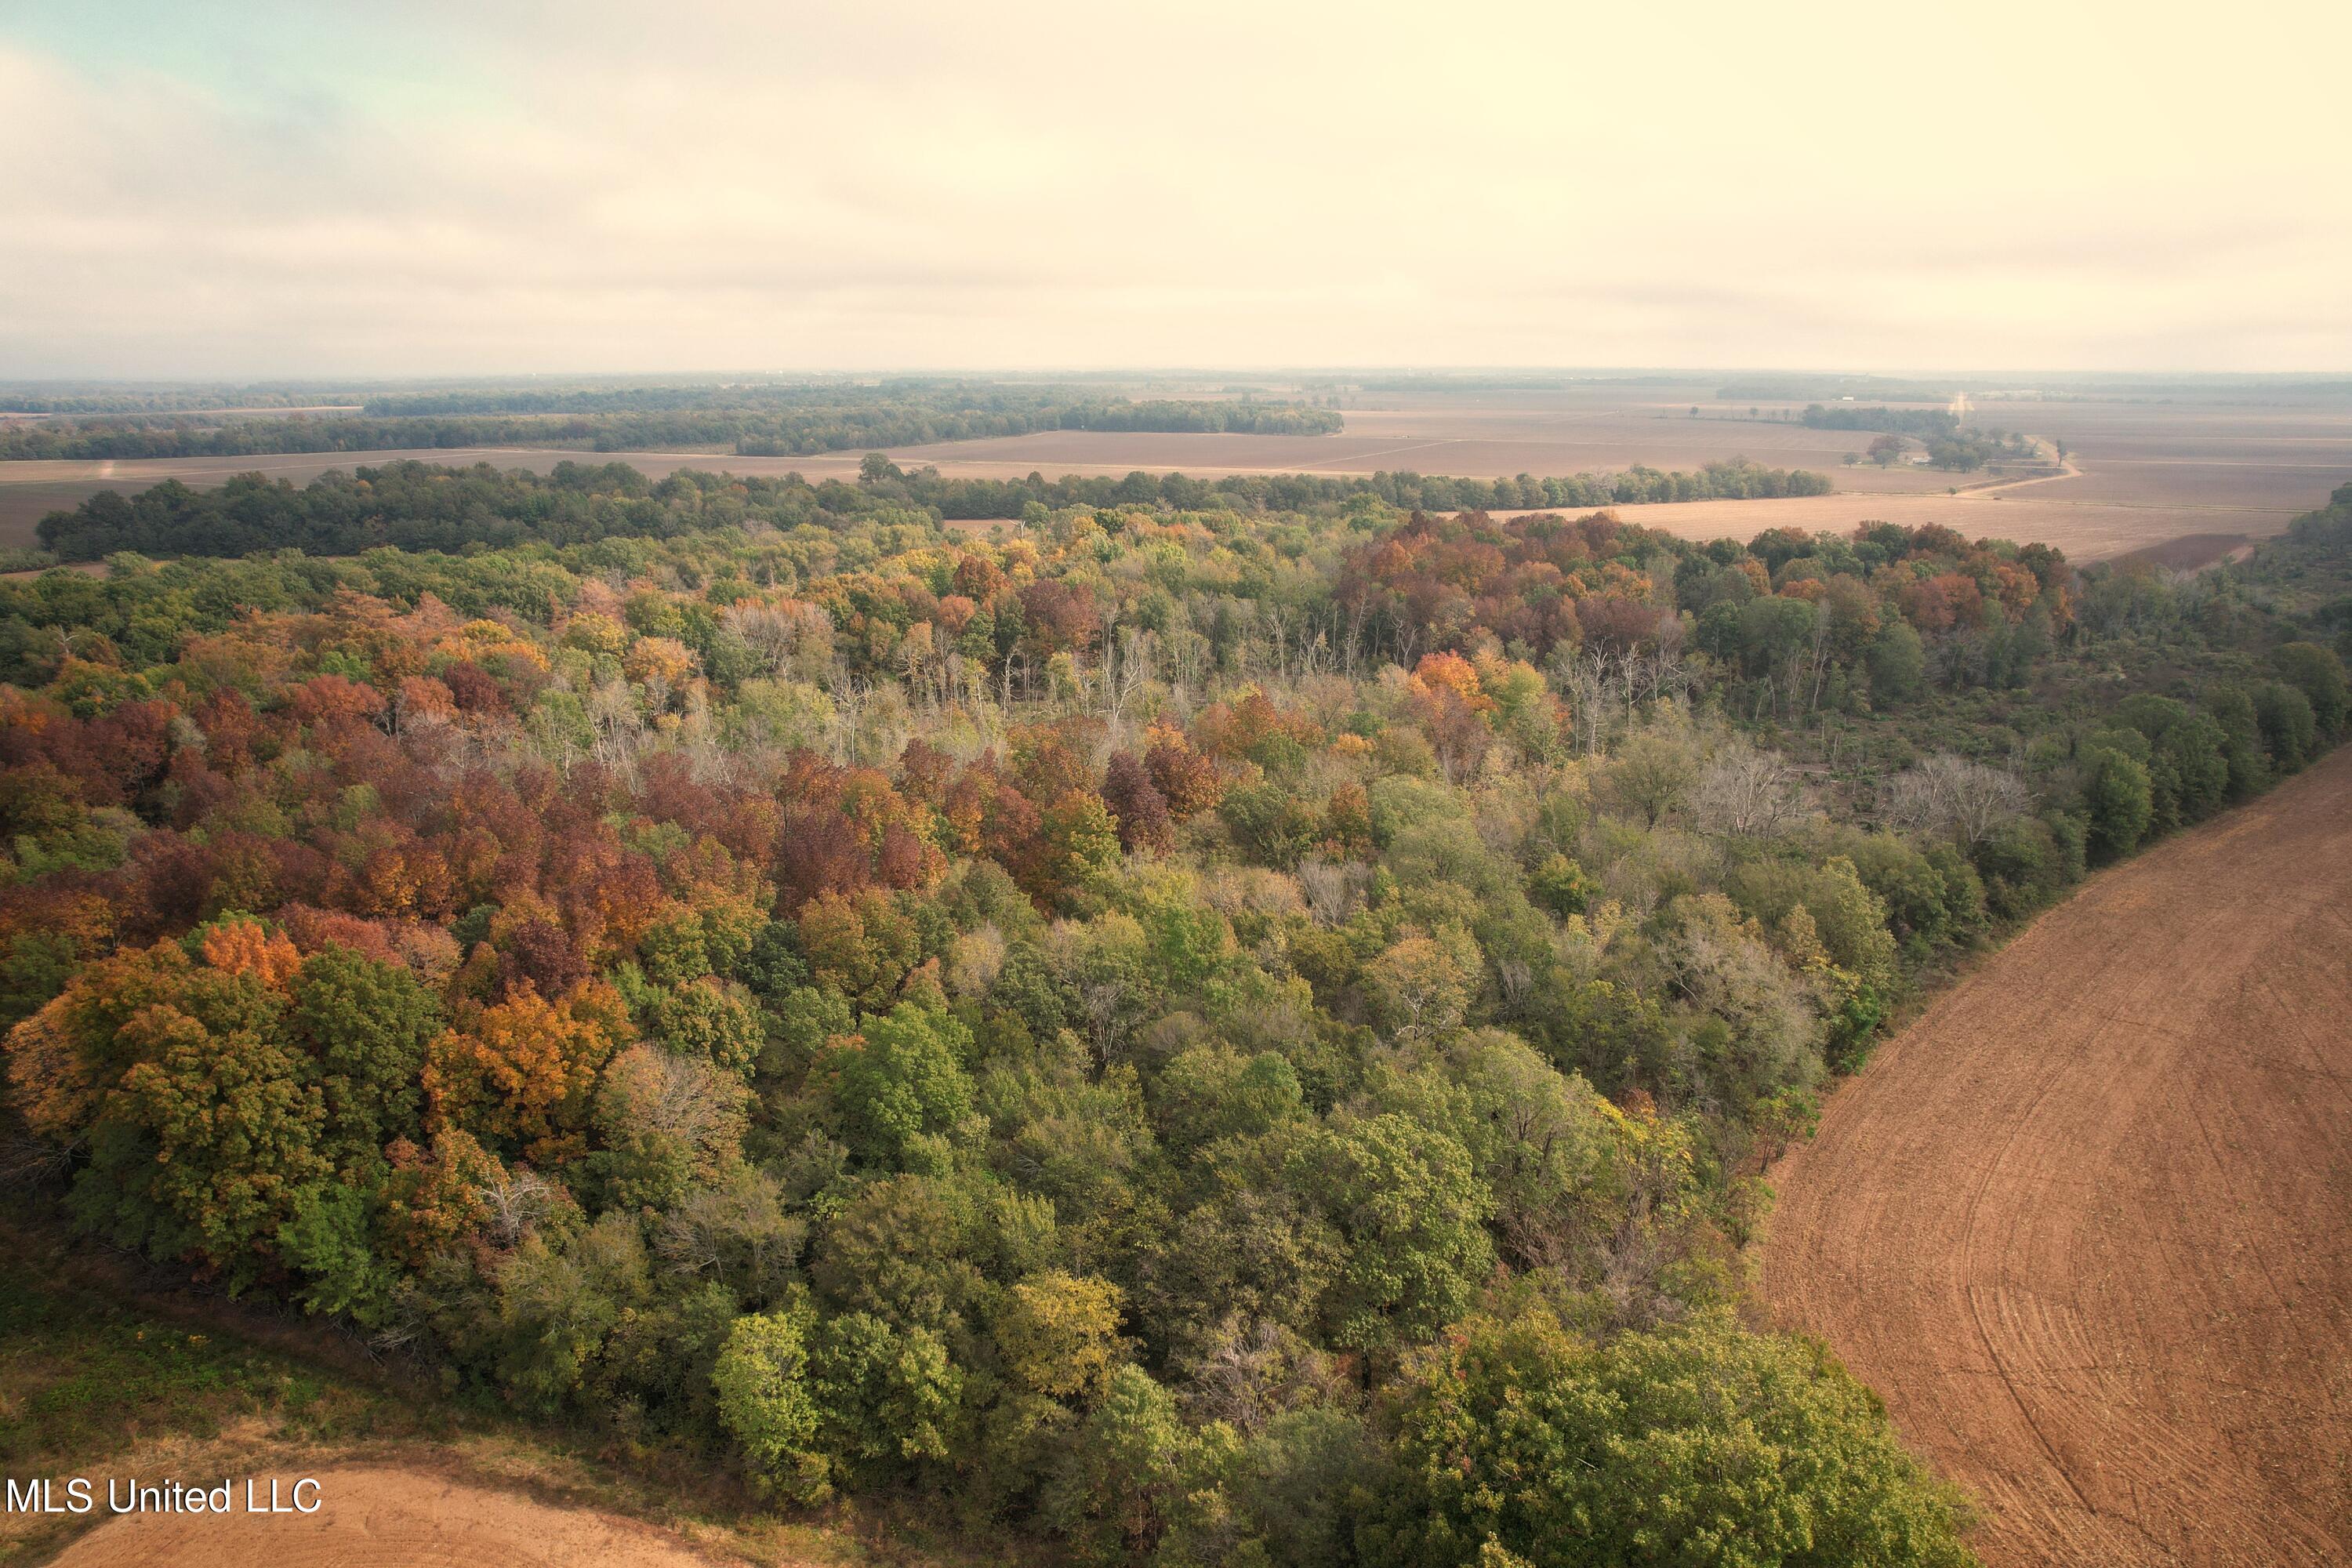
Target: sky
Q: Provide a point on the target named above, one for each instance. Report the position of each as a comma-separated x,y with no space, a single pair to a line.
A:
428,187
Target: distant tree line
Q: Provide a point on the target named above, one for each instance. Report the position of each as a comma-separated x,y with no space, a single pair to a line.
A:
70,398
421,505
752,422
963,498
1927,424
1790,389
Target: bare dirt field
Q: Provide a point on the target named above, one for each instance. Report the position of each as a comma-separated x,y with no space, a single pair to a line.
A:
2145,471
2273,454
2087,1225
2191,552
387,1517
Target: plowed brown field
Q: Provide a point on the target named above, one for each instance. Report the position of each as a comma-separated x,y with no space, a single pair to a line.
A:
2087,1225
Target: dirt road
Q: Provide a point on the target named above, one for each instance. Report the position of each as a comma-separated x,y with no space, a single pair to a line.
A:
2087,1225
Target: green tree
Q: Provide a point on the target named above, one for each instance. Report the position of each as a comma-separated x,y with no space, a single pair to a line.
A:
905,1084
326,1237
1135,1473
35,968
1412,1216
2316,672
1081,844
2197,752
766,1403
1561,886
1535,1138
1773,629
562,1294
211,1131
1899,664
1273,825
714,1021
1697,1447
889,1396
366,1024
673,951
2289,727
1296,1489
902,1249
2243,749
2117,794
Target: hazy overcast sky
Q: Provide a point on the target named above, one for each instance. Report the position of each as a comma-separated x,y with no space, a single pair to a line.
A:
419,186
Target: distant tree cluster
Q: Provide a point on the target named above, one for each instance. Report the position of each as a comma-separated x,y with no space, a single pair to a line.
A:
73,398
1927,424
1948,444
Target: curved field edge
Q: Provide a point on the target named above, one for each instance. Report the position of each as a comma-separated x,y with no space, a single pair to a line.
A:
2082,1225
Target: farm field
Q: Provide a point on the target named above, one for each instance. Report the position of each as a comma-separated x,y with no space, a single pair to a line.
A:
384,1515
2146,472
2082,1225
2270,455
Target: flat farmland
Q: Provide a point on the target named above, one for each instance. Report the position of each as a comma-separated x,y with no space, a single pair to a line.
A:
2082,1226
2283,455
2144,472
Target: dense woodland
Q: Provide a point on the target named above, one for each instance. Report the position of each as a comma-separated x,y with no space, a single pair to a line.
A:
750,421
420,506
1927,424
1211,1026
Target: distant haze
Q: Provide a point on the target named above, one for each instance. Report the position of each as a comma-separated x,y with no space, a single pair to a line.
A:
428,187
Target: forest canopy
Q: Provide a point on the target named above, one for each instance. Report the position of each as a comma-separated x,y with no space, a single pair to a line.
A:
1201,1030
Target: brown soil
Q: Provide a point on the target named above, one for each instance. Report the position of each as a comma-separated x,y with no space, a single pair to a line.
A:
2087,1225
2194,552
385,1516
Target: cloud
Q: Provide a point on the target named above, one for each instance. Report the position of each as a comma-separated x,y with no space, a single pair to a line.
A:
436,187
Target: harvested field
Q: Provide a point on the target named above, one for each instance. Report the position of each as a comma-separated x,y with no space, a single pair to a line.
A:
383,1517
2194,552
2087,1225
2274,454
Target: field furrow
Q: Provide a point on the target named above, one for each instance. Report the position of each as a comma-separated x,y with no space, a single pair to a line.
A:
2085,1226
